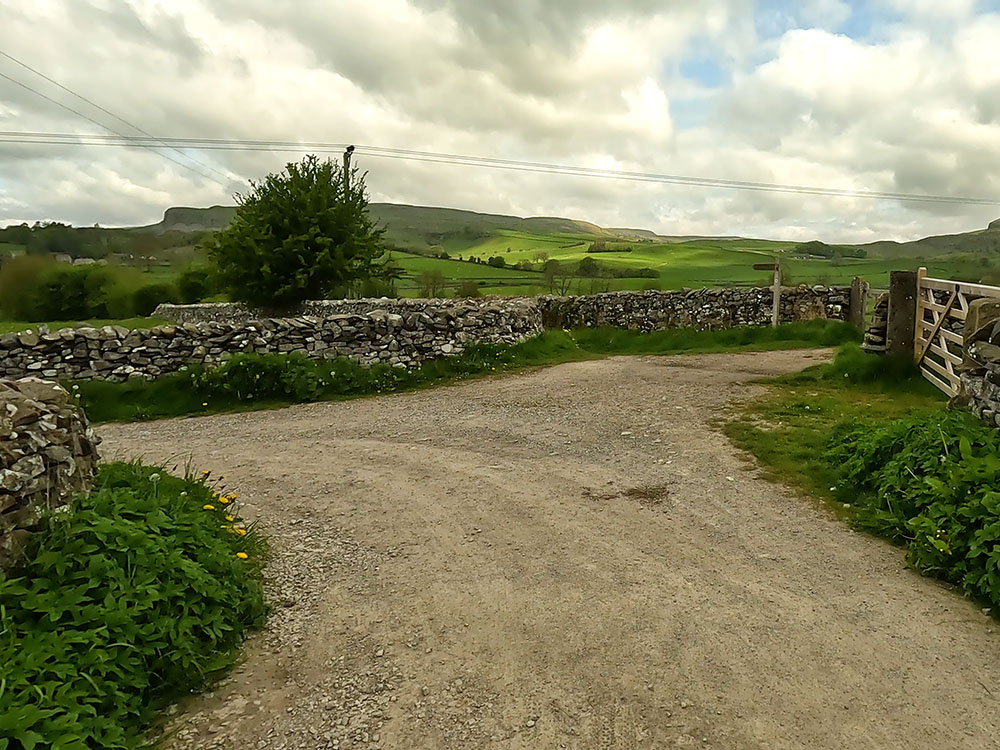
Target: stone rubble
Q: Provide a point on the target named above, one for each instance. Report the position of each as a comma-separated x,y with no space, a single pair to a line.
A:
48,453
981,373
877,337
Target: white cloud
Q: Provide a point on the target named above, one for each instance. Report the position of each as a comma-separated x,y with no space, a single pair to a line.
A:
584,82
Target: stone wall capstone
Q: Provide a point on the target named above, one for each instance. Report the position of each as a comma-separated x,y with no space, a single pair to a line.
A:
48,453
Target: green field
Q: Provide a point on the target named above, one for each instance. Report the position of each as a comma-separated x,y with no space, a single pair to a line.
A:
417,236
689,264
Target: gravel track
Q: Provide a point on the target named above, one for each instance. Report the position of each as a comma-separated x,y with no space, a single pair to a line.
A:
568,558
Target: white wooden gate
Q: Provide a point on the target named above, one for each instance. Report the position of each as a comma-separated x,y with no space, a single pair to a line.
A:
942,307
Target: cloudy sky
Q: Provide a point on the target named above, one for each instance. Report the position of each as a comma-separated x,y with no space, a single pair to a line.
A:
886,95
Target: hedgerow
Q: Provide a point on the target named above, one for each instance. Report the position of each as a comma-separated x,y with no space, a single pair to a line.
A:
141,592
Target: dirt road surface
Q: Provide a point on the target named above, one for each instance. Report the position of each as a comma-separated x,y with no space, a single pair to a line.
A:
568,558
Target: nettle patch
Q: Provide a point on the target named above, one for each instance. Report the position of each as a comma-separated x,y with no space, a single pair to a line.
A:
137,593
932,483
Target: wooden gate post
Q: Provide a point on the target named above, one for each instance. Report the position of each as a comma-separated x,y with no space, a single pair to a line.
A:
901,330
776,313
858,311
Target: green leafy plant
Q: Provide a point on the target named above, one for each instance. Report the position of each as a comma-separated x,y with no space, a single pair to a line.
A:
299,235
931,482
143,591
250,377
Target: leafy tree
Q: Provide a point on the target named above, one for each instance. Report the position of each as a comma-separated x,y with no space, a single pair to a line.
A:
467,289
300,234
431,283
497,261
148,297
589,268
557,278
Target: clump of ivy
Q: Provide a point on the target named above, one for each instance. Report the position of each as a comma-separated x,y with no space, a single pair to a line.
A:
142,591
931,483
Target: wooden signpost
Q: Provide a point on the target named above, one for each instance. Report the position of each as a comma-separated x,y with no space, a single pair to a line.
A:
776,267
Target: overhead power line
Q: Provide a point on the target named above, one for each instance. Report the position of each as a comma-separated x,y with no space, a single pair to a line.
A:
480,161
110,113
106,127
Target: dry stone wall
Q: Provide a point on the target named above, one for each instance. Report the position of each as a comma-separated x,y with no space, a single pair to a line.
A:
116,353
402,333
981,371
48,453
706,309
236,313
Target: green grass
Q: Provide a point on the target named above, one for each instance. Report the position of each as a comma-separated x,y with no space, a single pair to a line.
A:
6,248
7,326
789,429
141,593
277,380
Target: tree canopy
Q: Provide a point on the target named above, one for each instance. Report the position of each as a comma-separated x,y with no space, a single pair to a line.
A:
301,234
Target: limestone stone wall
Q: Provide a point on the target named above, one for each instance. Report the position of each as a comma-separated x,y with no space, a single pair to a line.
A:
116,353
402,333
236,313
697,308
48,453
981,370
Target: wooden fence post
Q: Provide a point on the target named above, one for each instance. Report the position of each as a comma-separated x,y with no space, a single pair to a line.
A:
858,311
902,326
776,313
918,318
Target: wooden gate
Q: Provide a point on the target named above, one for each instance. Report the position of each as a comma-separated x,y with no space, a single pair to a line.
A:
942,307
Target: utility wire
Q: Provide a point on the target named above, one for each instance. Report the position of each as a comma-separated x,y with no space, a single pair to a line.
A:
110,113
106,127
479,161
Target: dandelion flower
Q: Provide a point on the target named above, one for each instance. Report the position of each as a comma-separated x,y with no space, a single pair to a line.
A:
230,519
204,403
241,532
207,506
224,500
242,555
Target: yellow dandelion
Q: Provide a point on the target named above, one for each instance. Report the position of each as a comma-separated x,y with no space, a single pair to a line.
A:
207,506
204,403
224,500
241,532
232,496
230,519
242,555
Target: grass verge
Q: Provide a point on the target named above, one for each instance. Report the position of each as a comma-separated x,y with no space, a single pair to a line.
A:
789,428
142,592
873,439
250,382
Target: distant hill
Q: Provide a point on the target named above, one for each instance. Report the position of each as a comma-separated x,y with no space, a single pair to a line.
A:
420,228
981,240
